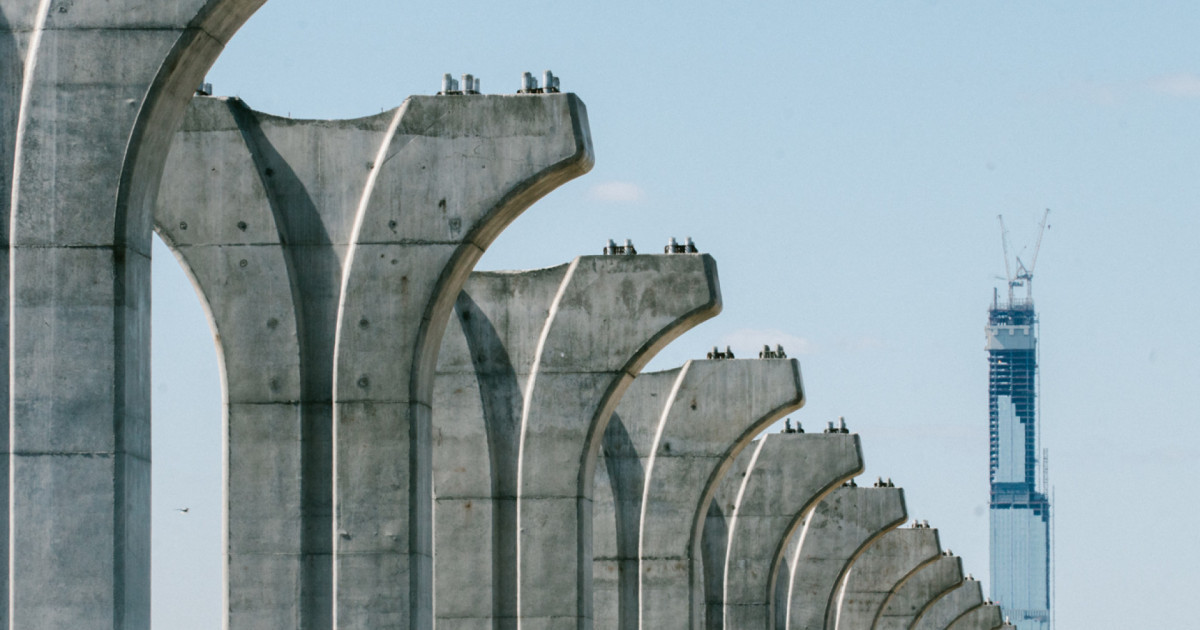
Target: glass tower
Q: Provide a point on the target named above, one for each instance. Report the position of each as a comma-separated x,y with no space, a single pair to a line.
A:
1020,513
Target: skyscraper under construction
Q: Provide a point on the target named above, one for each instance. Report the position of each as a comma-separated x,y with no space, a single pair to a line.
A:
1020,510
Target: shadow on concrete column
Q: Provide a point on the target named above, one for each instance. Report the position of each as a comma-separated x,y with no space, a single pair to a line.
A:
944,611
883,568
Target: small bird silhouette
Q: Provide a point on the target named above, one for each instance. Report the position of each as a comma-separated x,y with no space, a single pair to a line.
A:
183,509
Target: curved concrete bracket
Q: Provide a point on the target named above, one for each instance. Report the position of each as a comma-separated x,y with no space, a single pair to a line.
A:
611,315
527,383
843,525
714,412
329,254
789,475
926,586
881,569
945,610
985,617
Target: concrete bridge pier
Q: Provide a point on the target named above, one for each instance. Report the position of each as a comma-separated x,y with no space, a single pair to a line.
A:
789,474
945,610
654,401
881,570
839,530
90,95
985,617
929,584
696,443
540,360
329,255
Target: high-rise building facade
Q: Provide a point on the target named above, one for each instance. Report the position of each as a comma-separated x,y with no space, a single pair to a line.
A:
1020,510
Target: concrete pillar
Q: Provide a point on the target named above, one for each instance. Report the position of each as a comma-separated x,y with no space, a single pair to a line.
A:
845,524
90,95
945,610
985,617
695,445
714,542
881,570
483,369
604,328
628,442
925,587
617,498
534,367
788,476
329,254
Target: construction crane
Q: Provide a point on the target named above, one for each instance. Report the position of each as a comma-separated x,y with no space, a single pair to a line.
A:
1024,275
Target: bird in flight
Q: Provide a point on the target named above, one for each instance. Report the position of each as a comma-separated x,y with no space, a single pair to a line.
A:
183,509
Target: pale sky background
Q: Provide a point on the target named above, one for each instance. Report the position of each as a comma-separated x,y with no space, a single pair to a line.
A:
844,162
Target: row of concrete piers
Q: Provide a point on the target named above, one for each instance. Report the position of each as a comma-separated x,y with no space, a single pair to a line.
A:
409,443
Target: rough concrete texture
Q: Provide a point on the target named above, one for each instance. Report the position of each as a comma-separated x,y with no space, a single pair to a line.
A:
881,570
714,542
985,617
945,610
833,537
329,255
90,95
696,443
628,444
546,356
788,476
617,498
918,593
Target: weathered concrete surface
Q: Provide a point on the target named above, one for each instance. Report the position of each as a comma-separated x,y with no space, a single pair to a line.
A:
695,445
529,380
628,443
925,587
90,95
985,617
329,255
845,524
714,542
945,610
478,397
617,498
789,475
599,338
881,570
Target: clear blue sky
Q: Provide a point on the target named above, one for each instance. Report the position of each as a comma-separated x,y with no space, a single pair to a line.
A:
844,162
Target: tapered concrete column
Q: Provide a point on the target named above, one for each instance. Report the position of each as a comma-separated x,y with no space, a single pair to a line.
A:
714,542
603,328
617,498
695,445
845,524
483,369
945,610
621,472
90,94
985,617
926,586
881,570
329,254
789,474
532,371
